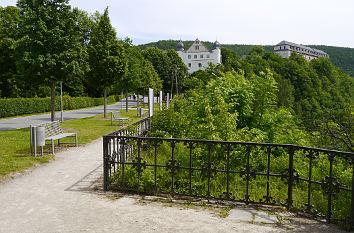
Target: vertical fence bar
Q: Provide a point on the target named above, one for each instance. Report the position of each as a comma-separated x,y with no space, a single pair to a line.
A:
247,196
269,150
123,154
311,156
139,162
114,152
109,155
228,172
352,204
209,170
105,164
190,168
155,167
330,189
173,144
291,177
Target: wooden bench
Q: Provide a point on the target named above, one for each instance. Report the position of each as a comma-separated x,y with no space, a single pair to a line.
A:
54,132
115,117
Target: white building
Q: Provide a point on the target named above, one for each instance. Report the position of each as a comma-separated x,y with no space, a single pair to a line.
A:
285,49
198,57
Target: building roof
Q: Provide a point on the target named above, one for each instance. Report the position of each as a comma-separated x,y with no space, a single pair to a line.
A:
197,47
180,46
311,51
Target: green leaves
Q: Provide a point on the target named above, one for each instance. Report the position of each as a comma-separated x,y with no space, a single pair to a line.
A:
106,54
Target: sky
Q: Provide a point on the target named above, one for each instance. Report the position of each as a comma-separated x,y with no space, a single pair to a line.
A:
261,22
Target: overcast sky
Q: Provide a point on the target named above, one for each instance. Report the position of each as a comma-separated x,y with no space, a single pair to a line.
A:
266,22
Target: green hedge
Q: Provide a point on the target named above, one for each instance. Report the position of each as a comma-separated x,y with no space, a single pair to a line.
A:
22,106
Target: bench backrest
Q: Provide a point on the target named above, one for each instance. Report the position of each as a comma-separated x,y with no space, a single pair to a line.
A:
115,115
52,128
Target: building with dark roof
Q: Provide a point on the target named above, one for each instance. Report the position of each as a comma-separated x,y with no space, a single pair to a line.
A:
285,49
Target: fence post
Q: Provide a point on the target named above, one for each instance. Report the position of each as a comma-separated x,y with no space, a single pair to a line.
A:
105,164
291,177
352,204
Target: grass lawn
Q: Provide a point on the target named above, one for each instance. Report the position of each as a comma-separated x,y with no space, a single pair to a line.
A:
15,152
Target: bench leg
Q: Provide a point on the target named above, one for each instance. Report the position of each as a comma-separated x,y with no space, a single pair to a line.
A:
52,146
76,139
58,142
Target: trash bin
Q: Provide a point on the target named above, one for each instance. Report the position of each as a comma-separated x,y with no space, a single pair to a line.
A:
40,135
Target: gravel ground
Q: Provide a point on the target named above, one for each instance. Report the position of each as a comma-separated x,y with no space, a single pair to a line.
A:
61,196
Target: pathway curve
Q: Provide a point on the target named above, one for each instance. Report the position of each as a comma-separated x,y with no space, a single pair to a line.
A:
24,122
59,197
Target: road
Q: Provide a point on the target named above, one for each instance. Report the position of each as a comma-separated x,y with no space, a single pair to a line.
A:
24,122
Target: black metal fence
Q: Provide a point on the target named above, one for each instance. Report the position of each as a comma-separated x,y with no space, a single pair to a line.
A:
312,180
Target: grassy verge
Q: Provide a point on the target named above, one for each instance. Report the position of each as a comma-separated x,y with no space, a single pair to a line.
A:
15,150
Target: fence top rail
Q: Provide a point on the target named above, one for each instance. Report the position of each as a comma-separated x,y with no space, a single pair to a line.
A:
114,134
345,153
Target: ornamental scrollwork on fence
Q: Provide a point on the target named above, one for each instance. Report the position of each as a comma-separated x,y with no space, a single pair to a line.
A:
209,169
173,166
284,176
139,164
326,182
248,173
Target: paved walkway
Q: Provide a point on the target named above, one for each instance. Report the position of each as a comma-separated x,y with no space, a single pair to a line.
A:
24,122
60,196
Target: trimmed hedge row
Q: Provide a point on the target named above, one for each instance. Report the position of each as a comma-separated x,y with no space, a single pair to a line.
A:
22,106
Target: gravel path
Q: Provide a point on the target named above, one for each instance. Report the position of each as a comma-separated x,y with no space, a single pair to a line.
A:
60,197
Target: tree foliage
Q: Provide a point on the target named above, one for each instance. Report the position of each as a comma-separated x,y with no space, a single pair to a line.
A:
9,20
49,48
106,55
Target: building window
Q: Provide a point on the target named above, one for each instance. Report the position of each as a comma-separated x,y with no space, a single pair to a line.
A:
195,56
189,65
189,56
208,56
197,47
200,64
201,56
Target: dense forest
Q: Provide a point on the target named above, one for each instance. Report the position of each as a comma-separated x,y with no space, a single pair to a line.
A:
339,56
266,98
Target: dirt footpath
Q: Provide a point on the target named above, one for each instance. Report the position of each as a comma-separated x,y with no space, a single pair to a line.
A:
60,197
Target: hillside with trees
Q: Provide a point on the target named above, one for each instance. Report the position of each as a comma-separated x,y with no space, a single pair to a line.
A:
339,56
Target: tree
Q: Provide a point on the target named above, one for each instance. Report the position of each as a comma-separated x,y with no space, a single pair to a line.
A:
151,79
9,19
106,56
133,78
49,48
230,59
162,65
180,70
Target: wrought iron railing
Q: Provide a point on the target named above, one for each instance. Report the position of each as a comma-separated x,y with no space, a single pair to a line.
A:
312,180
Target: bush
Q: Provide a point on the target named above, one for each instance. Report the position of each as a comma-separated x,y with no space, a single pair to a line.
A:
22,106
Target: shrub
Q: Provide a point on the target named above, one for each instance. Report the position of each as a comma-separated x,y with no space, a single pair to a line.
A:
22,106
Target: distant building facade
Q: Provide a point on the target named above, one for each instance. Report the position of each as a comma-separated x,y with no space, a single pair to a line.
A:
285,49
198,57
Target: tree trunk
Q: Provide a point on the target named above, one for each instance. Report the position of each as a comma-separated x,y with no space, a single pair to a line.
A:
52,101
105,102
126,100
138,101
